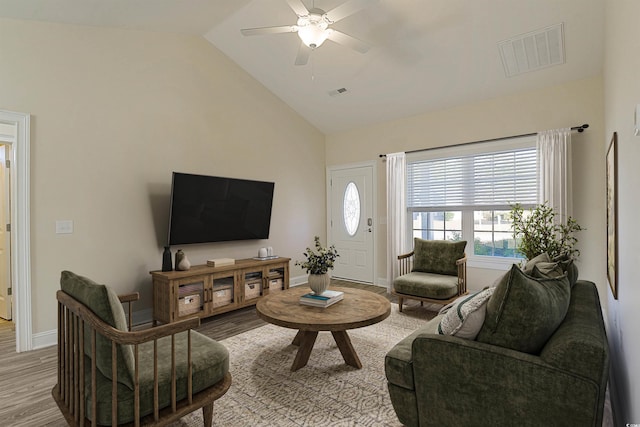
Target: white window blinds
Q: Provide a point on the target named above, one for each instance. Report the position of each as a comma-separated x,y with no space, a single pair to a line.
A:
477,180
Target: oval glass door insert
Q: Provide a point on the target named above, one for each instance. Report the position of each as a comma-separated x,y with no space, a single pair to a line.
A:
351,208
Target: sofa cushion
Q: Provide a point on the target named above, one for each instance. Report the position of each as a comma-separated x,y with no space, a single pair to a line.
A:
524,311
464,317
105,304
210,361
437,256
427,285
398,364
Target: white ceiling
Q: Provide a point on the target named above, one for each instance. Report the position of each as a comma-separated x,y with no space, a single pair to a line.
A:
426,55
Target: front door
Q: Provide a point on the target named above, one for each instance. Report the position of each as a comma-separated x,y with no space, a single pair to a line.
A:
5,238
351,222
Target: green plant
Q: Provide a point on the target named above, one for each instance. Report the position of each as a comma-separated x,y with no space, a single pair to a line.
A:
539,232
320,261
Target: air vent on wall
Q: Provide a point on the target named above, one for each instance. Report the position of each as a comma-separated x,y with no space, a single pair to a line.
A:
533,51
337,92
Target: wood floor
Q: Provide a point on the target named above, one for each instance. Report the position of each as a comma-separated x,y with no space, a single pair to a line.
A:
26,379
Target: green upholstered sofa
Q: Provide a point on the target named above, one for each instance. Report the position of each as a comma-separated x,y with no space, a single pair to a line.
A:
109,375
444,380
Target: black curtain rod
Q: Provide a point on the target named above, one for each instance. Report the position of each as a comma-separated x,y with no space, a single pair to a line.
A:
578,128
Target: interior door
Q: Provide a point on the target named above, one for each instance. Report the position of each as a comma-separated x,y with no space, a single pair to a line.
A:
5,236
351,224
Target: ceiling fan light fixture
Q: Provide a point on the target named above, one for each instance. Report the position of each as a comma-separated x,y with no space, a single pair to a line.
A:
313,30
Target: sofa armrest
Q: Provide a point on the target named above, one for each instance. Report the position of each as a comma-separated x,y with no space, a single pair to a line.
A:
462,382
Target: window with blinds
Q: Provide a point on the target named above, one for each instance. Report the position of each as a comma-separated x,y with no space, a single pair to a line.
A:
480,180
458,195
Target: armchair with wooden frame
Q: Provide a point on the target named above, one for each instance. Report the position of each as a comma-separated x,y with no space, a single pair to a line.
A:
110,375
434,272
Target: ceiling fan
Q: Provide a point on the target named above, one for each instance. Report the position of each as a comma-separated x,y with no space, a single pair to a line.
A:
314,27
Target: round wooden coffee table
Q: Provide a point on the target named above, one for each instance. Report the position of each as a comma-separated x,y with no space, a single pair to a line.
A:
358,308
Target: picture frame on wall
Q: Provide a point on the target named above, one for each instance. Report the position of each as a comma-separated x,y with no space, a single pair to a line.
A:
612,215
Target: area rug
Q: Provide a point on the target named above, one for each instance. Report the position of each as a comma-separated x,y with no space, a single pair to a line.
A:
326,392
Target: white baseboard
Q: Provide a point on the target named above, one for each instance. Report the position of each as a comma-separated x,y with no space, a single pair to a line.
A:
44,339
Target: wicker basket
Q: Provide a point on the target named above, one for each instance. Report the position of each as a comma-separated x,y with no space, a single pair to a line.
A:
189,304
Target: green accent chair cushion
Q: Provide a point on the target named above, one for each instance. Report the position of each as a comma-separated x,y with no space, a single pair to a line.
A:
105,304
427,285
210,364
437,256
525,311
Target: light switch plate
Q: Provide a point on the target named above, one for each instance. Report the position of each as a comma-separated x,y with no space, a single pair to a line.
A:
64,226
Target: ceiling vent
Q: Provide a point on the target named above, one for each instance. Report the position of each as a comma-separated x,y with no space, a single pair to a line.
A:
533,51
337,92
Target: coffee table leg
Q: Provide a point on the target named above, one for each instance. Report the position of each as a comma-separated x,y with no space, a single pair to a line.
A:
346,348
305,339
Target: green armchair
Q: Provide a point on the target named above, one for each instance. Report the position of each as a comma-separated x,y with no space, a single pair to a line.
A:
109,375
435,271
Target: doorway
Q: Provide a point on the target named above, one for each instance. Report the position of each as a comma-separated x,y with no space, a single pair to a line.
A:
20,235
351,197
5,227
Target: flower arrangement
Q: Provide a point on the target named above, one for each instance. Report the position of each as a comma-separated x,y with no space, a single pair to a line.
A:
320,261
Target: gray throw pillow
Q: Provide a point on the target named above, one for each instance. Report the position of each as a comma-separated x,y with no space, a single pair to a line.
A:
543,257
568,265
524,311
437,256
464,317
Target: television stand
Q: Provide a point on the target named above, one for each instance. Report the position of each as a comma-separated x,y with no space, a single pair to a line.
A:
205,291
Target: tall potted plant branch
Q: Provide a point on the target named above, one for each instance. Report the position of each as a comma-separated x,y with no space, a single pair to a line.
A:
539,232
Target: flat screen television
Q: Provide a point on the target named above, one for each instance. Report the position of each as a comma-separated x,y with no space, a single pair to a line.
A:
215,209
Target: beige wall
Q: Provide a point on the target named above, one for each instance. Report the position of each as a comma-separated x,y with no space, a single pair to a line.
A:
567,105
622,89
114,112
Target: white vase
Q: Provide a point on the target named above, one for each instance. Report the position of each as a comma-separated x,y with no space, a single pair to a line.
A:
319,282
184,264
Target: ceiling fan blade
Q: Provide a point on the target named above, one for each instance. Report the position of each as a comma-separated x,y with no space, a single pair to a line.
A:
298,7
346,9
269,30
303,54
349,41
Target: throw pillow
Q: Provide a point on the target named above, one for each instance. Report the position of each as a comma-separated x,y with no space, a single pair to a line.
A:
528,267
547,270
464,317
524,311
437,256
569,266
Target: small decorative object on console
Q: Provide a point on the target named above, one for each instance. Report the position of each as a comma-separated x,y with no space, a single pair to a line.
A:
220,262
182,262
166,259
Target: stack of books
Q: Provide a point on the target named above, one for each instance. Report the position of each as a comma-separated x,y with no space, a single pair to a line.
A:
220,262
324,299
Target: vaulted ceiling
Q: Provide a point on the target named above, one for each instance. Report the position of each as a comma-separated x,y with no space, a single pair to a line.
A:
425,54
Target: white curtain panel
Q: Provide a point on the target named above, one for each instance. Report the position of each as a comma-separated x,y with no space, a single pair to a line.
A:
396,213
554,171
